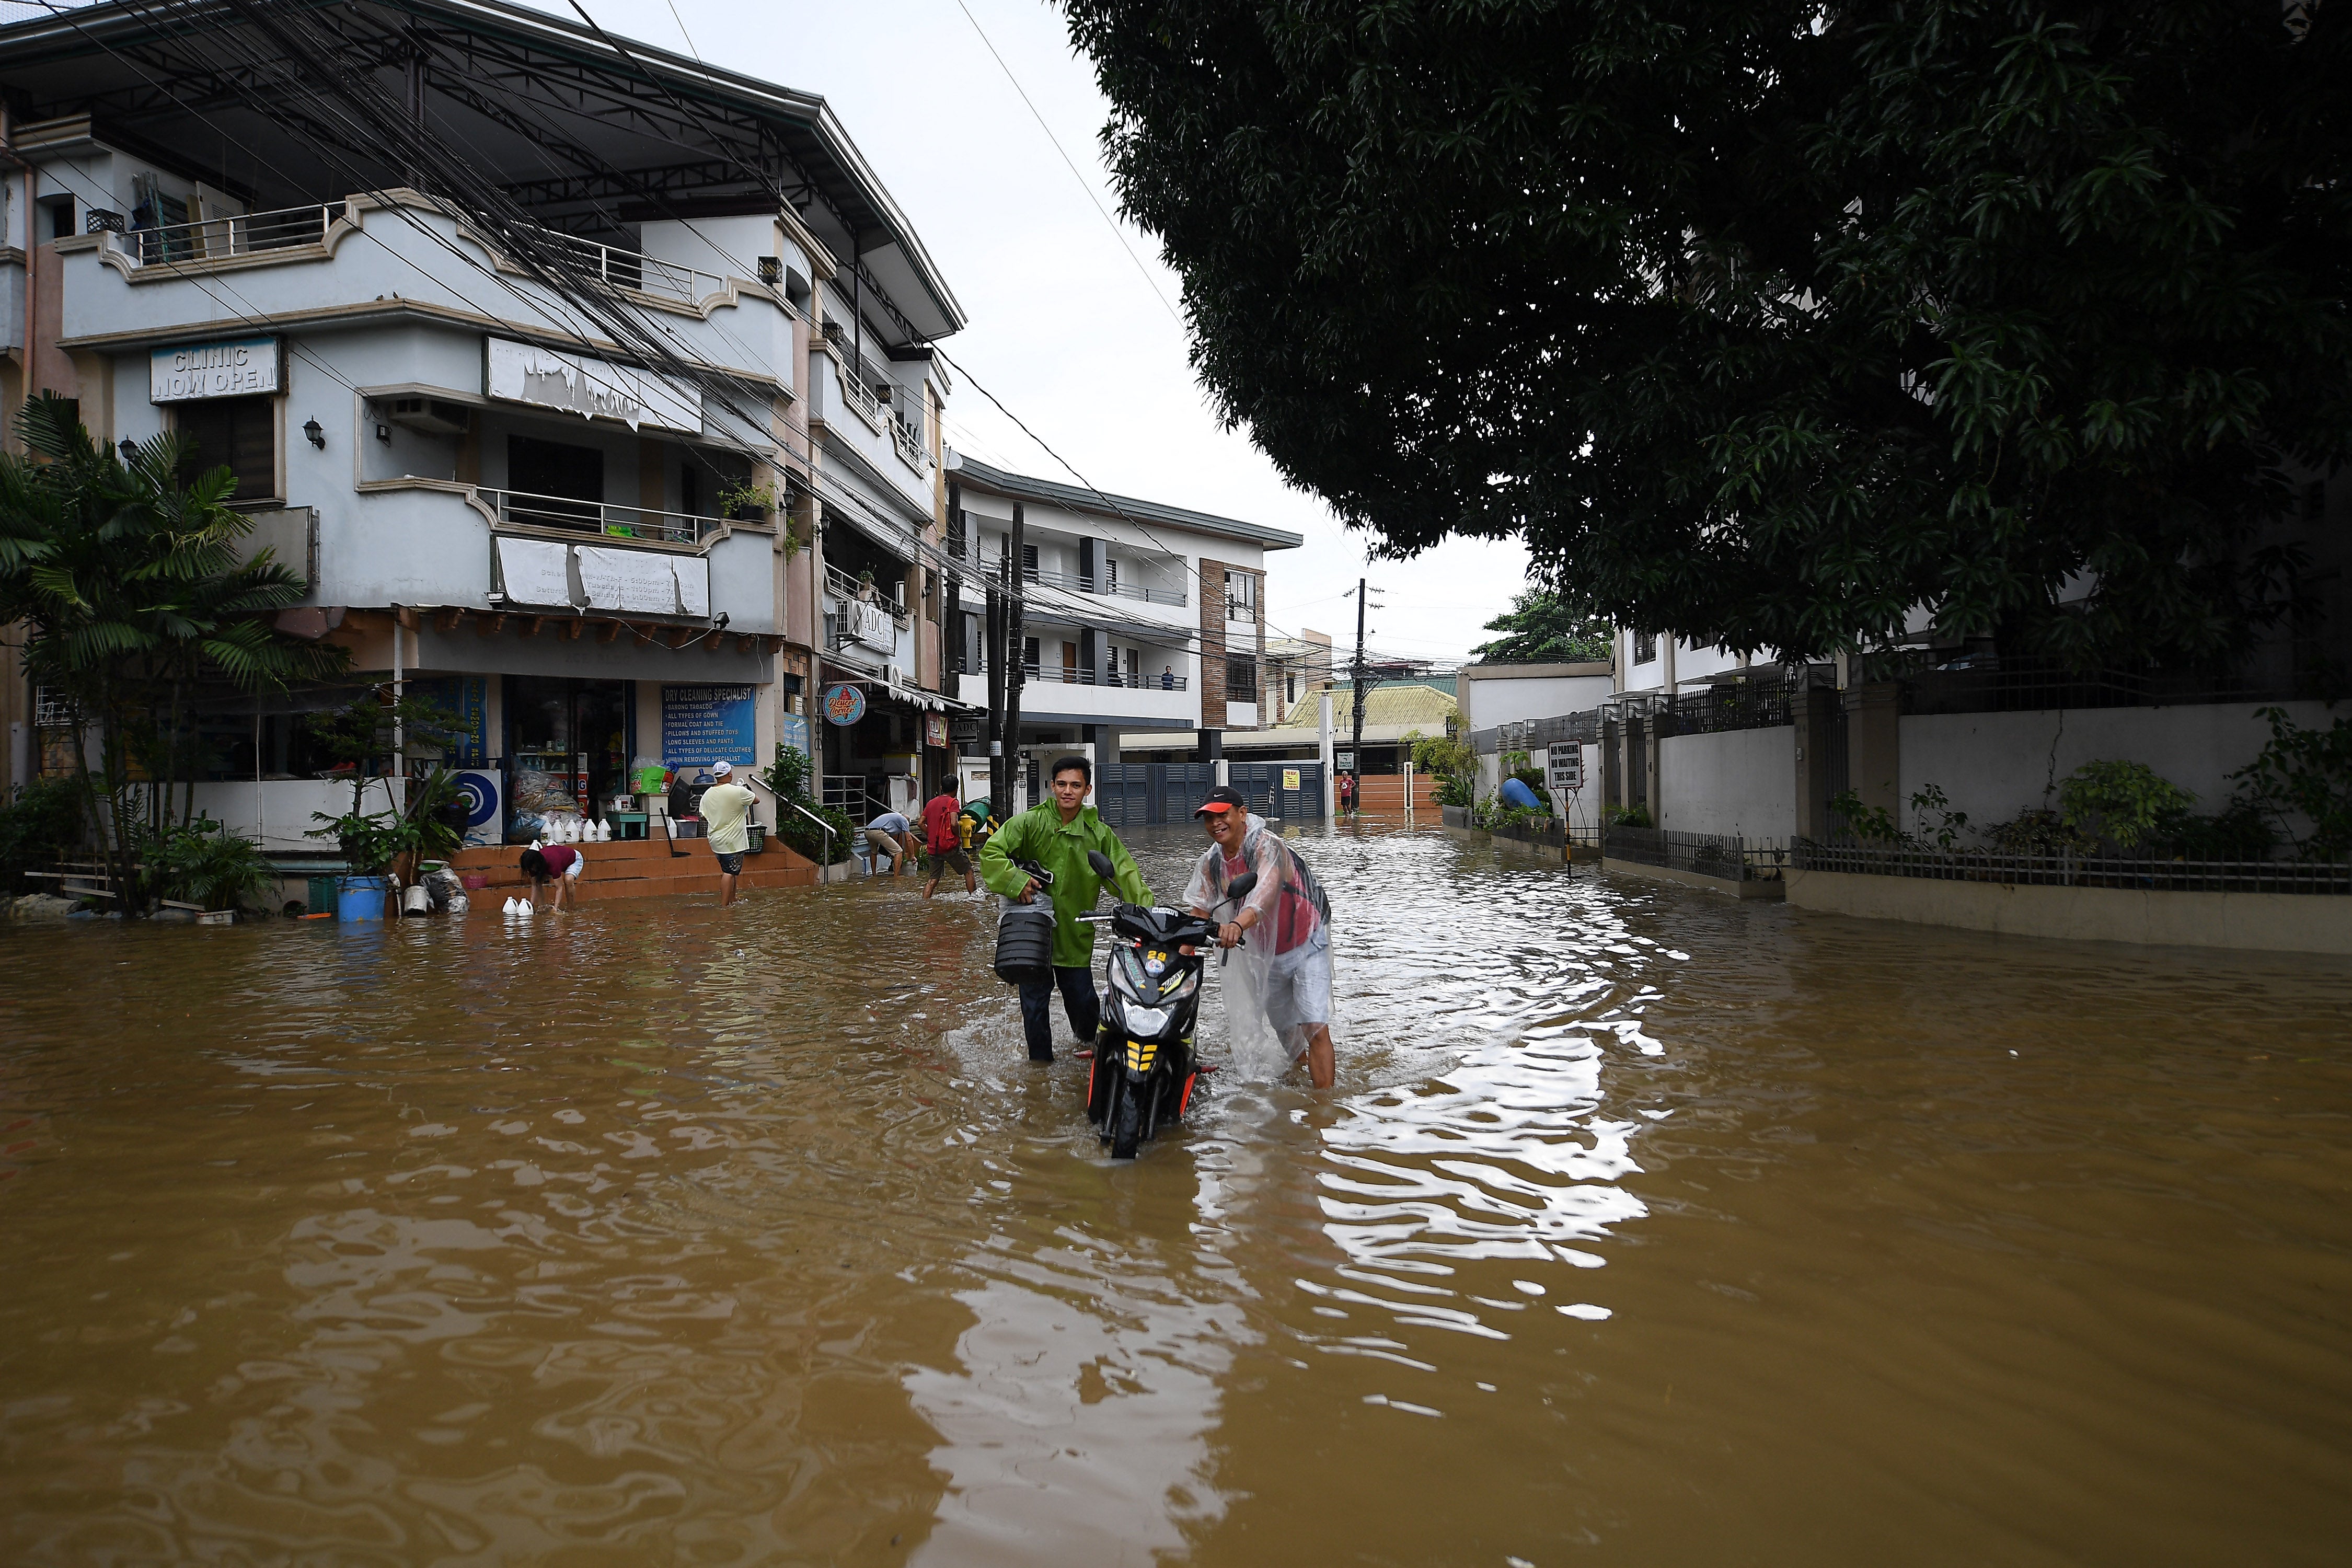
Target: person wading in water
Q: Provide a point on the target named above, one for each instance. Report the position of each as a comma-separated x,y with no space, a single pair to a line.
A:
1055,834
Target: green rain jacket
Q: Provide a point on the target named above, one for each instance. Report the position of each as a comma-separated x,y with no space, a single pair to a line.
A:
1039,834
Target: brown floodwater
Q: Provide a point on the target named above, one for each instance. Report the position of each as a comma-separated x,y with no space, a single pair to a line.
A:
1644,1227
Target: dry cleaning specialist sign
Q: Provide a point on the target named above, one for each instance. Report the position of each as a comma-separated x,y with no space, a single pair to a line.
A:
244,367
704,724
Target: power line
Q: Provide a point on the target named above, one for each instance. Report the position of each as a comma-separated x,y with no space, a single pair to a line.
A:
1117,232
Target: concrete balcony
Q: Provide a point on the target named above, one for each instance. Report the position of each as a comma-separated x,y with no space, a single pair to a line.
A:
401,256
438,543
1053,691
868,631
858,421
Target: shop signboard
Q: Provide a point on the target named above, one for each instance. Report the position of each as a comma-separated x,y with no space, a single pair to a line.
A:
480,791
935,729
844,704
467,699
576,383
701,724
242,367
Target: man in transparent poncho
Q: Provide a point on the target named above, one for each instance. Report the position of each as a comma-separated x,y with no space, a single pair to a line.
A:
1283,971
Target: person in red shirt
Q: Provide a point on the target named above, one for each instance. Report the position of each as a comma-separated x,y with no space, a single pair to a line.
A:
558,863
943,841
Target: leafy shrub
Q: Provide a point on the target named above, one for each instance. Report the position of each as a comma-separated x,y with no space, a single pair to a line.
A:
2237,832
204,863
42,823
2308,773
2124,803
2038,832
789,776
1871,823
370,842
1627,817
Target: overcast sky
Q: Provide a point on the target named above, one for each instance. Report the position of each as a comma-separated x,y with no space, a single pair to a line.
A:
1065,328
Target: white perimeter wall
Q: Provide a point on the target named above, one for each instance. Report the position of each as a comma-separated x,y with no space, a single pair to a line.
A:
1742,781
1994,765
1491,700
281,809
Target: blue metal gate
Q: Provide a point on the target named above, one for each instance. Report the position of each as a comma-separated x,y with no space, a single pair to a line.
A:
1291,791
1148,795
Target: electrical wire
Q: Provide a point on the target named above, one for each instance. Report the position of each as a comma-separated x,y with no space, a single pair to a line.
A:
1116,233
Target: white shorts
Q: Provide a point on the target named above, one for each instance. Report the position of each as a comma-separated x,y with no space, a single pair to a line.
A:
1299,985
572,872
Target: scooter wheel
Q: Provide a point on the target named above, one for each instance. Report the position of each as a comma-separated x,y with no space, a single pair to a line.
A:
1125,1124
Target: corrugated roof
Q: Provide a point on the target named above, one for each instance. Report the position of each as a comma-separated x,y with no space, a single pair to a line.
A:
1404,705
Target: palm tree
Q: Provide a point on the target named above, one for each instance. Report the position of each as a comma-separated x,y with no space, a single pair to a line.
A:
132,590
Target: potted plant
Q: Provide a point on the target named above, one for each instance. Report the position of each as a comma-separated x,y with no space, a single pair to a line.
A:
744,502
370,843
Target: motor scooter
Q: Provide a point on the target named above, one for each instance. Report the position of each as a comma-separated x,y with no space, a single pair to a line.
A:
1144,1070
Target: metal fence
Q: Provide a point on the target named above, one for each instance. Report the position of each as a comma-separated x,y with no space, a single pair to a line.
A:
2017,685
2136,873
1535,734
1731,858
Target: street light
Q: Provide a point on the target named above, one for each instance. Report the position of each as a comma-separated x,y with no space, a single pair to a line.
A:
129,450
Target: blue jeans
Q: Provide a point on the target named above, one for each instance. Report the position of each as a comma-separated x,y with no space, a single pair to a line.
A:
1078,1000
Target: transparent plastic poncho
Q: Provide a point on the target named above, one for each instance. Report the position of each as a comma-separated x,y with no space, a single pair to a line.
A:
1256,1051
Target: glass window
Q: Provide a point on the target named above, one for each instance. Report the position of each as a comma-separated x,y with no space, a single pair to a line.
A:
1241,680
239,432
1646,646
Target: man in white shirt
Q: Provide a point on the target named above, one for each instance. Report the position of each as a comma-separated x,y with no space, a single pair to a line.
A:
726,817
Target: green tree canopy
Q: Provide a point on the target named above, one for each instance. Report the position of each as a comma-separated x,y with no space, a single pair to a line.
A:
1541,627
1765,322
133,591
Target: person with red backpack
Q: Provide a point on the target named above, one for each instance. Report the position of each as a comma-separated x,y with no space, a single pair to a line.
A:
1291,915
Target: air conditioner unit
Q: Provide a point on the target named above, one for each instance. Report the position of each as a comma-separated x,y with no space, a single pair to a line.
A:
431,415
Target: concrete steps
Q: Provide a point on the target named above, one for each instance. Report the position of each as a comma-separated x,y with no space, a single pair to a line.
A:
641,869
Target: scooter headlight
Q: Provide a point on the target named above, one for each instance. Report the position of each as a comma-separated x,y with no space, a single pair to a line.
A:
1146,1020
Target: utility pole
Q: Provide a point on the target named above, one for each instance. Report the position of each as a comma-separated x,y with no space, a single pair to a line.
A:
1015,575
1355,742
993,652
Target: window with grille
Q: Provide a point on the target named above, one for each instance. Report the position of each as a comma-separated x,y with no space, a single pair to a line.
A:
1241,597
1646,646
1241,680
51,711
1029,563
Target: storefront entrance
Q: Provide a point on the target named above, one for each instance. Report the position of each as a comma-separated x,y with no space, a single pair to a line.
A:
568,746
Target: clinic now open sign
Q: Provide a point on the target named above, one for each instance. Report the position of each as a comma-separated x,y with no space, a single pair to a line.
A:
242,367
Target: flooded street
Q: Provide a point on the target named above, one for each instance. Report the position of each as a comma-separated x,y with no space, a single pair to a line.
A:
1644,1227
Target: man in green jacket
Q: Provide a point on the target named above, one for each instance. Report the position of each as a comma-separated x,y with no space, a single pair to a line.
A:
1055,834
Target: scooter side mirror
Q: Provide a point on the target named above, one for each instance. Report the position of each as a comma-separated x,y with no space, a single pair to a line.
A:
1241,887
1101,863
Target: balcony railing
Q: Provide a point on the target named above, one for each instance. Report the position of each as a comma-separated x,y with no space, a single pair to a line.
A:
521,508
986,563
630,270
213,239
1066,674
911,447
843,587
